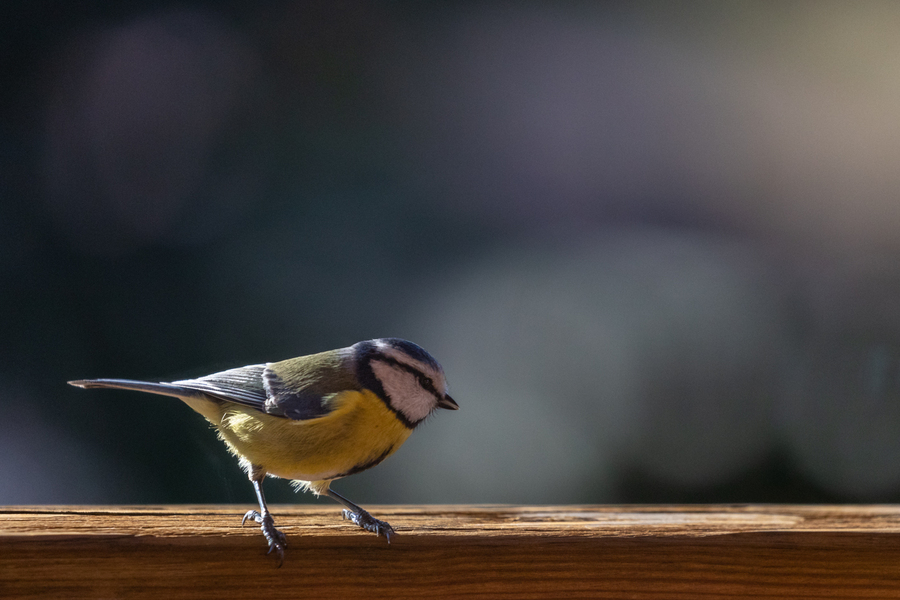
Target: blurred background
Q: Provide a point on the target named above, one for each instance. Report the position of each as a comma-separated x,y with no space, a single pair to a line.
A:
654,245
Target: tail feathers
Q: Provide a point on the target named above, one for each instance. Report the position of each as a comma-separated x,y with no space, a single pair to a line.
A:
165,389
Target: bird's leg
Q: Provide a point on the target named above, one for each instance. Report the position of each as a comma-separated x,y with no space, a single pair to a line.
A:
276,539
361,517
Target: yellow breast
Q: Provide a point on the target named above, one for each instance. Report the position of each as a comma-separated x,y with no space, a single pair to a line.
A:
359,433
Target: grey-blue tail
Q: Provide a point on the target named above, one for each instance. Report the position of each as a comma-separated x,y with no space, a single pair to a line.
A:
165,389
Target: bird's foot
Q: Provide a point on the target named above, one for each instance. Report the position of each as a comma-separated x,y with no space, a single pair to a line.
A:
369,523
276,539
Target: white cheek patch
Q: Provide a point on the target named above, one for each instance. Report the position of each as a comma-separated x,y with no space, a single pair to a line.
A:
403,391
436,377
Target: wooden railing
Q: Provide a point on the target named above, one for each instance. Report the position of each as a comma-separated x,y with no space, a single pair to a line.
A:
685,552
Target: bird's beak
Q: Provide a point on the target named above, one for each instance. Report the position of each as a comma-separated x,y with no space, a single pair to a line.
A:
448,403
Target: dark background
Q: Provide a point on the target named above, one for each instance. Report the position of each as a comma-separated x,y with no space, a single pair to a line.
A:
654,245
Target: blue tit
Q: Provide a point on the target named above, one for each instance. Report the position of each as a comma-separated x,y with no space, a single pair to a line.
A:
314,419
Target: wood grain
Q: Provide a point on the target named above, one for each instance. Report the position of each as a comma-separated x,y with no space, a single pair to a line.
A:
175,552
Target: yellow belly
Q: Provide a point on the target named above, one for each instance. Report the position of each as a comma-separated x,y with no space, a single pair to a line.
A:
359,433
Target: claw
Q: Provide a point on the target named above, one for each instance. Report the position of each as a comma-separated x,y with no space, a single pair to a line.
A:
369,523
277,540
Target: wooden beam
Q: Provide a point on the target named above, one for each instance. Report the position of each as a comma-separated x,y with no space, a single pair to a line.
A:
171,552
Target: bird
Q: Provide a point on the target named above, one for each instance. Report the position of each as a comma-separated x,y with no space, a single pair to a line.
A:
315,418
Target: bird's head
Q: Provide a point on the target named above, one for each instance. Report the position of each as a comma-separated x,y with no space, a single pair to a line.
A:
404,375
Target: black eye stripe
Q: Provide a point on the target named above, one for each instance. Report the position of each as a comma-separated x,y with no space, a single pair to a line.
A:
425,381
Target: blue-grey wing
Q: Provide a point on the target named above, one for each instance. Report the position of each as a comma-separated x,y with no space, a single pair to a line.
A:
243,385
296,389
304,388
